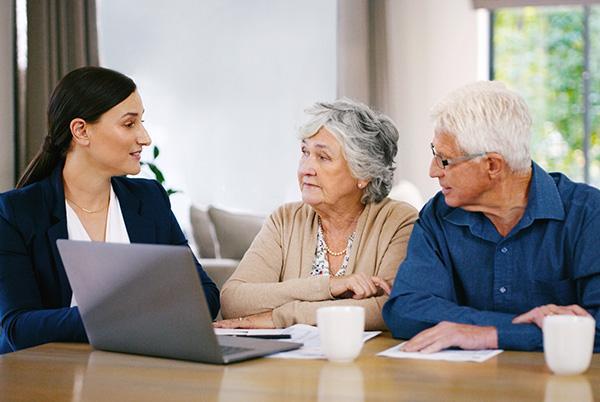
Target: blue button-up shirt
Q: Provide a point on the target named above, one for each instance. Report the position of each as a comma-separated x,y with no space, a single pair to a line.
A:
460,269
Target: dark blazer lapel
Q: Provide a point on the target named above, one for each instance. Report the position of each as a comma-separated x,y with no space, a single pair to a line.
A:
55,197
140,228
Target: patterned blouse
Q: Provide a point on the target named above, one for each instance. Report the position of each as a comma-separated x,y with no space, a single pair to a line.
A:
321,265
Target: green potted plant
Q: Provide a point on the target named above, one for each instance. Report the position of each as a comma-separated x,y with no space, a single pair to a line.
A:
158,174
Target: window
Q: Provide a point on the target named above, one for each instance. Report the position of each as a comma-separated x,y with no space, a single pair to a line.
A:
551,56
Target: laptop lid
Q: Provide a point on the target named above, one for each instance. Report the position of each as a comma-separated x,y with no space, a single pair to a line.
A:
147,299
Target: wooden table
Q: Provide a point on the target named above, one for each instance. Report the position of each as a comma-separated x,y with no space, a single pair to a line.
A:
75,372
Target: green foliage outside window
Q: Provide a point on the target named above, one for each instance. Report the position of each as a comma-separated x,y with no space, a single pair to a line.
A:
539,52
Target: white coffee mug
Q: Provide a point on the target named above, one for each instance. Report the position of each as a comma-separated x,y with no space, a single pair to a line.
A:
568,343
341,331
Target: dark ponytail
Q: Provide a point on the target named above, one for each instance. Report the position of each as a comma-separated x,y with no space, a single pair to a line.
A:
85,93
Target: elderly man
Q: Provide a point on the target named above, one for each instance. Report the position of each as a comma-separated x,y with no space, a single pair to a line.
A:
503,244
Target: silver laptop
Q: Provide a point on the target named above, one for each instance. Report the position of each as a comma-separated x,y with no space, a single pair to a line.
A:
147,299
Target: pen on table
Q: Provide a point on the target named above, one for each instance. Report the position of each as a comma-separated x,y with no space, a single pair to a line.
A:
270,336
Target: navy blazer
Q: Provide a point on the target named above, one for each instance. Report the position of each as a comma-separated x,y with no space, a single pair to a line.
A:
35,294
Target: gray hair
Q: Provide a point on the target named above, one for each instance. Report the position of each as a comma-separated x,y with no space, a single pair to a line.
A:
369,141
486,116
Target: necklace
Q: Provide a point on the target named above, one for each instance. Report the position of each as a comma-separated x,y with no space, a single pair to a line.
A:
88,211
331,252
326,247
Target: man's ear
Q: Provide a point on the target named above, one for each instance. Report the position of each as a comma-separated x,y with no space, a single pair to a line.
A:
79,131
496,165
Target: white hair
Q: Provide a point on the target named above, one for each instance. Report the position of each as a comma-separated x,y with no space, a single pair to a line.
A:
369,141
486,116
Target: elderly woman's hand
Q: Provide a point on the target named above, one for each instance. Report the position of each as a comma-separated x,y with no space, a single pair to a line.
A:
255,321
358,286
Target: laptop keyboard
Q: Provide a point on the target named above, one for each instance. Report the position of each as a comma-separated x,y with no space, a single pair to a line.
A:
231,350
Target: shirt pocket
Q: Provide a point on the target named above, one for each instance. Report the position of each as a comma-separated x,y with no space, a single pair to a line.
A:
561,293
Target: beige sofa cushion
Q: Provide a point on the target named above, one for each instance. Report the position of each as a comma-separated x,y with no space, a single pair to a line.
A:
219,269
204,233
234,231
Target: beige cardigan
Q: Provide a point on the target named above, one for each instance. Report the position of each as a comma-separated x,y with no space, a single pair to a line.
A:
275,271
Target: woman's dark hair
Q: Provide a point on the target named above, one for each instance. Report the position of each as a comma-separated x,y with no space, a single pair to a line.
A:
85,93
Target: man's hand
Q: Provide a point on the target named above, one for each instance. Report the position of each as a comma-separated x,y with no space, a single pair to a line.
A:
358,286
256,321
448,334
536,315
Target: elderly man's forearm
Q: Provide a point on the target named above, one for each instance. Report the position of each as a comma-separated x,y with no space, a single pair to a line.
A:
405,318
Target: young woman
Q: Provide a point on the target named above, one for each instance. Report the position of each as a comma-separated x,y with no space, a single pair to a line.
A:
75,188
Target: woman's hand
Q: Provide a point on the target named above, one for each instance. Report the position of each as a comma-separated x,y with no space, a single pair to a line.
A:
255,321
358,286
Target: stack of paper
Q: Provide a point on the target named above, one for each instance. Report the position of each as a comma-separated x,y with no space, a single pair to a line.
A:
301,333
448,355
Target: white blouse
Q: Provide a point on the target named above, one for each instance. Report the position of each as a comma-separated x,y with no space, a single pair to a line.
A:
116,231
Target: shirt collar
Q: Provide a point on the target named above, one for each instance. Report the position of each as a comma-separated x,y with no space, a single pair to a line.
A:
544,199
544,202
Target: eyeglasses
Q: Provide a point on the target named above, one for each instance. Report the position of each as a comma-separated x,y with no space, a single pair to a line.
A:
442,163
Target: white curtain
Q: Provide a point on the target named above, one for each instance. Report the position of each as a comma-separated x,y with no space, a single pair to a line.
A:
402,56
363,67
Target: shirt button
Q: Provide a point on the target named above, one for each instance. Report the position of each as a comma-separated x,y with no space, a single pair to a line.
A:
502,289
504,250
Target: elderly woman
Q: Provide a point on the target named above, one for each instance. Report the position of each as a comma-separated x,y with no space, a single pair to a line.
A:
343,243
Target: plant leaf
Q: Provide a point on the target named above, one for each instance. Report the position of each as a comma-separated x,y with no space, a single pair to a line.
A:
155,152
157,173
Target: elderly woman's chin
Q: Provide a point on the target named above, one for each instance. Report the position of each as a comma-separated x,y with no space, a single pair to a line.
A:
311,196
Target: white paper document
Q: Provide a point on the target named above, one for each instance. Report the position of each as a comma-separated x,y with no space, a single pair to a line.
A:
448,355
248,332
309,337
301,333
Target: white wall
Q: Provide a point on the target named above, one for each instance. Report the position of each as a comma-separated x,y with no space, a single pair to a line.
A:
7,98
225,83
433,49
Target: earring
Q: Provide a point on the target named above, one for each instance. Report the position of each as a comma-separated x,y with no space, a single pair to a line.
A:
360,186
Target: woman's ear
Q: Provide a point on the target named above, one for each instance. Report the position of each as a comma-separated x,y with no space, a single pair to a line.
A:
79,131
362,184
